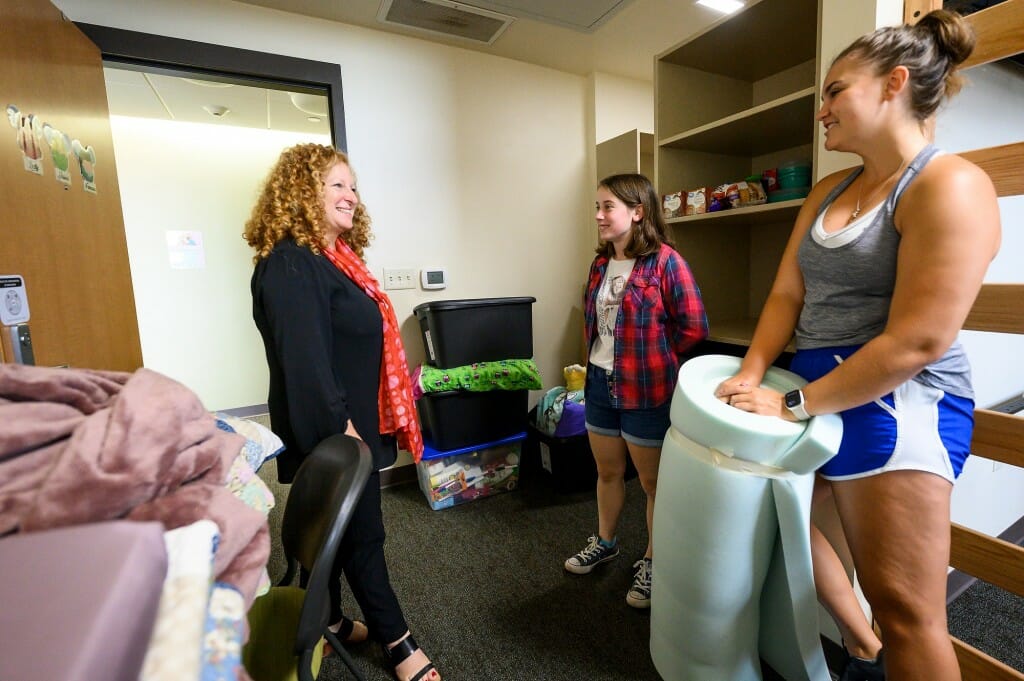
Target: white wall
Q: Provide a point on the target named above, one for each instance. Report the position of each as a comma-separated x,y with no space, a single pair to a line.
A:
195,325
474,163
622,104
842,22
989,496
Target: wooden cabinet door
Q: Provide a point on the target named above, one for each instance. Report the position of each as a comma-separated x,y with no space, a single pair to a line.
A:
63,234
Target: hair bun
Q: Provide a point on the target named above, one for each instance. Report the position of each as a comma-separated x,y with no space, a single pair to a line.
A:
953,35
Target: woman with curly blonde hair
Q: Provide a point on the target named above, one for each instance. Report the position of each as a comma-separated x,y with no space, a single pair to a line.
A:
292,205
336,366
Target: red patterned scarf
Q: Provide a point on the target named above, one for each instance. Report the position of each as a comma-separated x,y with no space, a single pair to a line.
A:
394,398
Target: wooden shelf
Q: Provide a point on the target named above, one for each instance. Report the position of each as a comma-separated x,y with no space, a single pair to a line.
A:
765,38
737,332
737,98
630,152
766,213
790,120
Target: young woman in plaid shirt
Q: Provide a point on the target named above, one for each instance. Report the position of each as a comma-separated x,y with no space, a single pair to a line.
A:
643,311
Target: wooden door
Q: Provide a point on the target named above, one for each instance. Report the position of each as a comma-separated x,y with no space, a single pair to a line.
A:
61,226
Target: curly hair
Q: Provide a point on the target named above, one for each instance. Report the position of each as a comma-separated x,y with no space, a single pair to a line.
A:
291,204
651,232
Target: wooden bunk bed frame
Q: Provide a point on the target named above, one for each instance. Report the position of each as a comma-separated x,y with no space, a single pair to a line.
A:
999,308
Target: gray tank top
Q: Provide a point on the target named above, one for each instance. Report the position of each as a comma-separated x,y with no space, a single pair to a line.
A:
849,287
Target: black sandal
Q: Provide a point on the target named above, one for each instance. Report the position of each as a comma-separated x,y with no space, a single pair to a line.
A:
400,652
345,629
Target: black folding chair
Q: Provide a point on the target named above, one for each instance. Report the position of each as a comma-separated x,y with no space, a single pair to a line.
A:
323,495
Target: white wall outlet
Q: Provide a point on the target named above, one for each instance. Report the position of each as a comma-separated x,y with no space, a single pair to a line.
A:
399,278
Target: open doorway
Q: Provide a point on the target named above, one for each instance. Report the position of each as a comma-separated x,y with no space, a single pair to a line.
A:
193,145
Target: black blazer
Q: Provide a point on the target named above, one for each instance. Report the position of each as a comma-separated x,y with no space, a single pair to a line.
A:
323,338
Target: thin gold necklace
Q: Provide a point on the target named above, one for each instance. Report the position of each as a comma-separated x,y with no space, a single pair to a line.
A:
856,211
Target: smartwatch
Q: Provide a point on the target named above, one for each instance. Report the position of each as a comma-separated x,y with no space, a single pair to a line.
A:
795,403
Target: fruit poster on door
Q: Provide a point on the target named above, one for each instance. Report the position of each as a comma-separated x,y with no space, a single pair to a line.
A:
33,135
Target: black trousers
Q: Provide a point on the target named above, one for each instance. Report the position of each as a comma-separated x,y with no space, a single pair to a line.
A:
361,558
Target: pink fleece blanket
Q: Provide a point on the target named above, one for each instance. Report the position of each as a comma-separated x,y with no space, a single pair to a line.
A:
80,446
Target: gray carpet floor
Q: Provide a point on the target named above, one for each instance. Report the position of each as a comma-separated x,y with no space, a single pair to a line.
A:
485,594
992,620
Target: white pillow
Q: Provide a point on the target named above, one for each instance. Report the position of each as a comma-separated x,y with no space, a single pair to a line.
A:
261,442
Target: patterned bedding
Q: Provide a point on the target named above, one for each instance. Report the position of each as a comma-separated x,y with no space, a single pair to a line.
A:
82,450
200,626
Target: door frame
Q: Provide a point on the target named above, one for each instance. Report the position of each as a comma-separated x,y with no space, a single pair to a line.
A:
217,62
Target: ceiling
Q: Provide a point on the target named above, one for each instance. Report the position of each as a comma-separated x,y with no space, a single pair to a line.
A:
618,37
145,94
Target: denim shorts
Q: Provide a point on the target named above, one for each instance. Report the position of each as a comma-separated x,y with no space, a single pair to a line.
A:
915,427
644,427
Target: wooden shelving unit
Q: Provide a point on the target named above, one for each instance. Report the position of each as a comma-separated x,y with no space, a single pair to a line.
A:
630,152
732,101
768,213
742,133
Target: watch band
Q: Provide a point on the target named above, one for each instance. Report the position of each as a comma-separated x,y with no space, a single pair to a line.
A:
794,401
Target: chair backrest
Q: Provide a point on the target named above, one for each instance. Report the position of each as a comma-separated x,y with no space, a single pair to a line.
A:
324,493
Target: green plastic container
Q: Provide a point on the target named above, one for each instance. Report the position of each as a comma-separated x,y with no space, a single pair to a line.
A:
788,194
794,174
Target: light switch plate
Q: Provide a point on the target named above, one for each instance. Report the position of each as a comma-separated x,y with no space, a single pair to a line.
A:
395,278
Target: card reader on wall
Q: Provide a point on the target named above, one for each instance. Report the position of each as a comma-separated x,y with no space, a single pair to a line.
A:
433,278
14,316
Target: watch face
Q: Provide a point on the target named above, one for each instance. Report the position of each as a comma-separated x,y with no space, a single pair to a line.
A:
794,399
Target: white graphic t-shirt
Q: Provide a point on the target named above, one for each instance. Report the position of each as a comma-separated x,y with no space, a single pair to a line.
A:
609,296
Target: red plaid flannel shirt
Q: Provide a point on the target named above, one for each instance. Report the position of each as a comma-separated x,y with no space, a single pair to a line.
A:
661,316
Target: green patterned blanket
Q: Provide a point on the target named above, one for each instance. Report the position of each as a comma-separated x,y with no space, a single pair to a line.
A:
506,374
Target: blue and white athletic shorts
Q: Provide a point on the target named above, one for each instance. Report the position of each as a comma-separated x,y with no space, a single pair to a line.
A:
915,427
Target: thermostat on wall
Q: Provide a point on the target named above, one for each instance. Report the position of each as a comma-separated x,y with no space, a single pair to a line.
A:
433,278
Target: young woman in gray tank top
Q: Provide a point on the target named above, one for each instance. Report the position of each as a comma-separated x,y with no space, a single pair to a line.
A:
882,267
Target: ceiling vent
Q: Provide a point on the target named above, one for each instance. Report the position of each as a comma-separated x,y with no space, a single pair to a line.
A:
443,17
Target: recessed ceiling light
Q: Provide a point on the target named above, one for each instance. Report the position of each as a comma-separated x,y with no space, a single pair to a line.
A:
216,110
723,6
314,105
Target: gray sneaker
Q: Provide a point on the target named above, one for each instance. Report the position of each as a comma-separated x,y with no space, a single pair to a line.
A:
590,557
639,595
